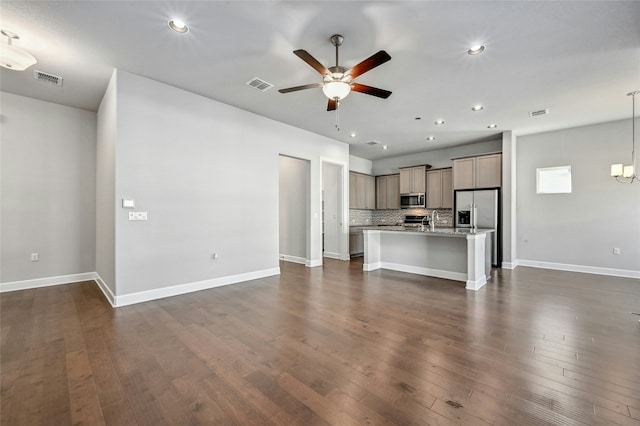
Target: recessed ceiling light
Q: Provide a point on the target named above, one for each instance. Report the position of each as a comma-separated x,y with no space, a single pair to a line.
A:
476,50
492,126
178,26
385,147
439,122
353,134
477,108
431,138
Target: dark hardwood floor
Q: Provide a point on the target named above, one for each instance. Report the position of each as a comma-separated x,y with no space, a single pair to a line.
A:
329,345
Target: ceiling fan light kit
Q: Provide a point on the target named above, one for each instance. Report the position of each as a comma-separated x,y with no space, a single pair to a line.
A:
337,81
12,57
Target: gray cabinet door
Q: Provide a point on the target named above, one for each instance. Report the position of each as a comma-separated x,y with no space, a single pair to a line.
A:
393,192
434,189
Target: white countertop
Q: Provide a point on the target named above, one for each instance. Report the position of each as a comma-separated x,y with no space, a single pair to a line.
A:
445,232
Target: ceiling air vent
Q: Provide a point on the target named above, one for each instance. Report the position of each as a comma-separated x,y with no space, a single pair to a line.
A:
47,78
372,143
259,84
539,112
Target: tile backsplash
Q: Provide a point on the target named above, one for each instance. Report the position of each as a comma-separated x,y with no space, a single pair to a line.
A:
392,217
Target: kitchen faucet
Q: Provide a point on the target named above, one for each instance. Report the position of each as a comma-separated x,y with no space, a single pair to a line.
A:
433,221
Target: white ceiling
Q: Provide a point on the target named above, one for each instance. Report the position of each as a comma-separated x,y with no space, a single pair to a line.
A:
579,59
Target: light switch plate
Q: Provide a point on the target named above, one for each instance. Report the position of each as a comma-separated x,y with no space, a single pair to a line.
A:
128,204
137,215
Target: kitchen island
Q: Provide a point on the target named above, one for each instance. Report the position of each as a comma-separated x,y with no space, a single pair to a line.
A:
459,254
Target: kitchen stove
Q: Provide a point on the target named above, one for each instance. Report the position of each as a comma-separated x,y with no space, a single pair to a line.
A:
415,221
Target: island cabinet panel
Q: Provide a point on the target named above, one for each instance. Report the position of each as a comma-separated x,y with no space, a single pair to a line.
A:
413,180
362,191
439,189
388,192
478,172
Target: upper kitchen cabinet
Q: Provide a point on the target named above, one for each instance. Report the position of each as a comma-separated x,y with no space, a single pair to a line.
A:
484,171
362,191
439,189
413,180
388,192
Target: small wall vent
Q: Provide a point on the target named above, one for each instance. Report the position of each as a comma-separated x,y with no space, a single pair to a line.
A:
259,84
372,143
539,112
47,78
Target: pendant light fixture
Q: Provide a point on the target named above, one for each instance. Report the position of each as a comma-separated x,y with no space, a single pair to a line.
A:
12,57
622,173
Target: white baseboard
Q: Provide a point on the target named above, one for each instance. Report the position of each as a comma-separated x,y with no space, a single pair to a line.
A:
476,285
46,282
438,273
371,266
108,294
510,265
330,255
293,259
176,290
579,268
313,263
143,296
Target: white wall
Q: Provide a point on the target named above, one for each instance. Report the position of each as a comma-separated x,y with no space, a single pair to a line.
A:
294,203
207,174
509,192
581,228
48,189
436,158
360,165
106,187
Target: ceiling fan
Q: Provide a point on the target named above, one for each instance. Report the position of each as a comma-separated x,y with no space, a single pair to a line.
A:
338,81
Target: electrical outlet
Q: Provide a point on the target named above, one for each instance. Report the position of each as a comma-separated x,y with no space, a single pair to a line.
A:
616,250
35,257
137,215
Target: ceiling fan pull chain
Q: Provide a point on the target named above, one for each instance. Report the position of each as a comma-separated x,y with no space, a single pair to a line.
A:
337,115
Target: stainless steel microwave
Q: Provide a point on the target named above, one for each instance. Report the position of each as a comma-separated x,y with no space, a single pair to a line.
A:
410,201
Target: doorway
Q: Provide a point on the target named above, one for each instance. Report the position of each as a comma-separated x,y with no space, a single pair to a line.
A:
332,210
294,209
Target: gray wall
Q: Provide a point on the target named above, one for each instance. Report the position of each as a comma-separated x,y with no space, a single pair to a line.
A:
188,161
294,207
583,227
436,158
48,189
106,187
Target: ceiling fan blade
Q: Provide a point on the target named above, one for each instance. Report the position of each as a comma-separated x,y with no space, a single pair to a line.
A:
294,89
373,91
371,62
306,56
332,105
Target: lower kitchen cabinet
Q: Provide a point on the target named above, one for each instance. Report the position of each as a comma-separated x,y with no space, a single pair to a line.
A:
356,243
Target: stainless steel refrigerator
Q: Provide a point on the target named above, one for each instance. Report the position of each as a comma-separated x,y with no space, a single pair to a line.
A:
481,209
